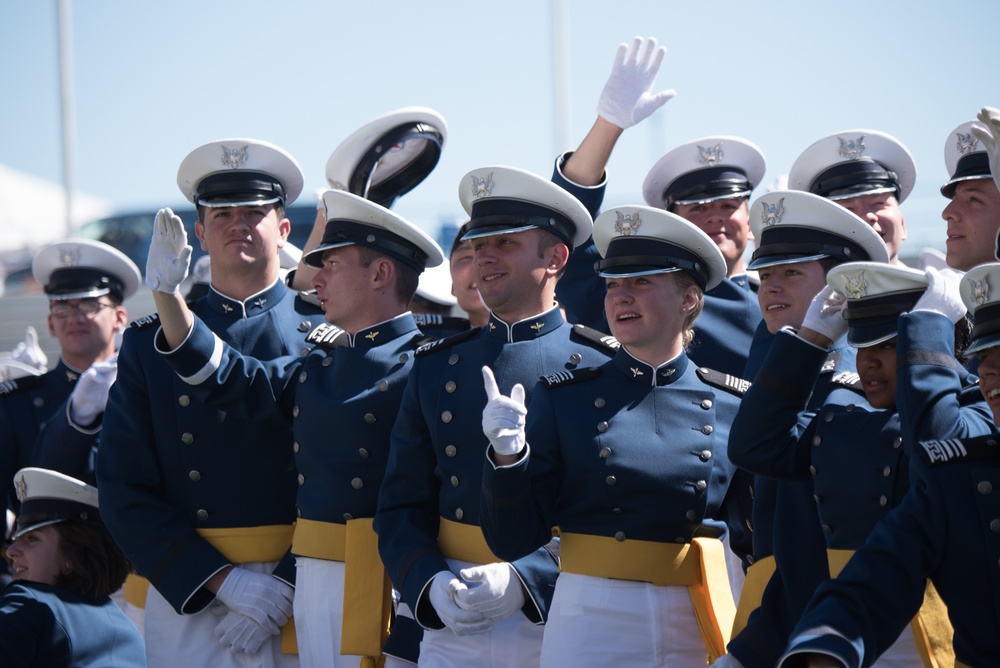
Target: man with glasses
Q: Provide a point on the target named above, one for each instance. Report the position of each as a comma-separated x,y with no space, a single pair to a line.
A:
86,282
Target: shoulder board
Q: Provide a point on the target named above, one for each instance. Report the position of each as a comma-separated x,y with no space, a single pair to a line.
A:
146,321
328,336
602,340
19,385
570,377
446,342
733,384
936,453
831,361
435,321
848,379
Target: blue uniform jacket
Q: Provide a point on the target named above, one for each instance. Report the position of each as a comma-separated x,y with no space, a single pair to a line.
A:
946,529
47,626
341,401
623,450
725,329
437,447
26,405
168,465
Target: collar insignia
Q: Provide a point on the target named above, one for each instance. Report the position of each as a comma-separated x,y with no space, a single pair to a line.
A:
482,187
227,308
627,225
772,213
856,287
538,326
711,156
966,144
636,372
71,376
259,303
852,149
980,290
492,326
234,158
667,373
371,335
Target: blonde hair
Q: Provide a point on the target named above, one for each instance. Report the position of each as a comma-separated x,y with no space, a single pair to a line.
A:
683,281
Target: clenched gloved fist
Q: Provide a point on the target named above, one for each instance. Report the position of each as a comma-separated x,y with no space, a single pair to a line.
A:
627,97
443,589
169,253
262,598
498,595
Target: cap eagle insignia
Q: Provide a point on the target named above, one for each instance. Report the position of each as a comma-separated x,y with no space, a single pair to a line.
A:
21,488
69,256
627,224
980,291
711,156
852,149
966,143
482,187
856,286
771,213
234,158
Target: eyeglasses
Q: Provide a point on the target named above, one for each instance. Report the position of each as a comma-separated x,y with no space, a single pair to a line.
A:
88,308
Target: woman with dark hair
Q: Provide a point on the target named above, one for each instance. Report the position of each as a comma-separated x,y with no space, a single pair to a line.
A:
57,610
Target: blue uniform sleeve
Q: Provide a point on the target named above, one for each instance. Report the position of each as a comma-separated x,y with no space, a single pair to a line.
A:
68,448
25,624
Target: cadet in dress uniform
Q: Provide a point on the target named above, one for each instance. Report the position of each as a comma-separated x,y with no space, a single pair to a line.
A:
867,172
368,260
57,613
945,530
462,265
190,491
522,228
794,252
856,455
640,488
86,282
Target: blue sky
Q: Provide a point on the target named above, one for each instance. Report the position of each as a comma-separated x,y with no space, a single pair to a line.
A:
153,80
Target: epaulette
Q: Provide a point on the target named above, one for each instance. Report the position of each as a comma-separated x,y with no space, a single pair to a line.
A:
733,384
848,379
831,361
19,385
570,377
446,342
146,321
436,321
605,341
328,336
936,453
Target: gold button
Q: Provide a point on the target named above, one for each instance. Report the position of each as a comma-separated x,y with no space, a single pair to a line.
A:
187,438
357,483
817,498
348,517
459,513
383,385
446,417
298,511
812,469
454,481
602,426
827,528
706,404
705,455
828,417
369,418
898,441
817,440
304,326
450,386
453,360
995,526
620,536
327,361
302,479
404,357
887,471
202,514
363,453
303,351
985,487
450,450
295,411
38,402
616,511
575,358
605,453
707,429
599,402
611,480
303,376
184,400
883,501
295,447
850,407
701,485
750,559
691,515
195,476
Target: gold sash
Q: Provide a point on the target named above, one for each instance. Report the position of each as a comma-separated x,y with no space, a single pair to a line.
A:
932,631
464,542
758,575
700,566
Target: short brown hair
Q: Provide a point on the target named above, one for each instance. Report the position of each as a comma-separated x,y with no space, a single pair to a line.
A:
98,566
406,276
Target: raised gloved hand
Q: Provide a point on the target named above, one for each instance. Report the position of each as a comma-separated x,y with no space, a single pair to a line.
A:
942,294
503,417
29,352
499,594
443,590
169,253
262,598
826,314
90,396
627,97
240,634
990,117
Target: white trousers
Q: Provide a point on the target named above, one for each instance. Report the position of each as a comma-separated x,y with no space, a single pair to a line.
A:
186,641
603,622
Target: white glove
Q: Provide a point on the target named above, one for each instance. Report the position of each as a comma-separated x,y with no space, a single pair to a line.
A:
499,594
826,314
932,257
443,590
262,598
169,253
90,395
503,417
727,661
942,294
29,352
240,634
626,98
990,117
